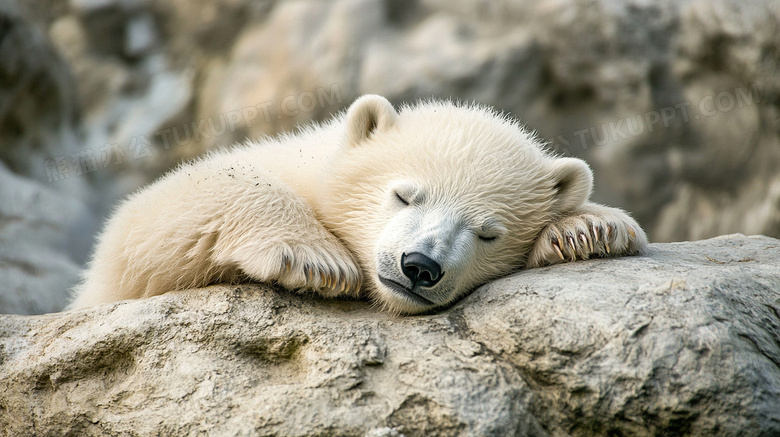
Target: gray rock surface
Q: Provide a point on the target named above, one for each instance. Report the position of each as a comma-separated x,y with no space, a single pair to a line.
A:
39,228
46,223
680,341
44,227
38,104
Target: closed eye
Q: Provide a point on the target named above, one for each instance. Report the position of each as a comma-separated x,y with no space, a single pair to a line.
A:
490,231
401,199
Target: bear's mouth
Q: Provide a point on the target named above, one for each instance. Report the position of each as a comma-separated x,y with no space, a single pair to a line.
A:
406,292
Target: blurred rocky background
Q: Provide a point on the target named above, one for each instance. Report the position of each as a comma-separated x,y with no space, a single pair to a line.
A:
674,103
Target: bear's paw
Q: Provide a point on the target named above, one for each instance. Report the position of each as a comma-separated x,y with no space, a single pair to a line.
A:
328,270
594,231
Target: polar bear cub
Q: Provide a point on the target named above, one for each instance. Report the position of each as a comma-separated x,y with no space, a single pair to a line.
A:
413,209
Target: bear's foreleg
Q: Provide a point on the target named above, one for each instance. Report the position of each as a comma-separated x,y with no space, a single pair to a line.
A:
591,231
211,222
283,242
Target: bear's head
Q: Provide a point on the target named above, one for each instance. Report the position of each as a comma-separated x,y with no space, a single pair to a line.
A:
440,198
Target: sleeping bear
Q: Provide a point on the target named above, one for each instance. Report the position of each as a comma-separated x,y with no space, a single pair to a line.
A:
411,208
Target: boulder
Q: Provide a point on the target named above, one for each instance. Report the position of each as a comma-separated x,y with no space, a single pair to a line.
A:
46,223
682,340
39,229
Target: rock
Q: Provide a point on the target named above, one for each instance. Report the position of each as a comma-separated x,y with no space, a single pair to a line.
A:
40,229
126,90
680,341
46,223
38,107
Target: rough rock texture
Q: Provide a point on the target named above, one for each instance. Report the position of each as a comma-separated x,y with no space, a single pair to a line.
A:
683,341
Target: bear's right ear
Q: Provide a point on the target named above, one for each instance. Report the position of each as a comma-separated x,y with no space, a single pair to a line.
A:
368,115
573,182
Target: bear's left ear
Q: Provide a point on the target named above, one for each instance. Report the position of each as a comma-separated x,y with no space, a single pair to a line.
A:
573,182
368,115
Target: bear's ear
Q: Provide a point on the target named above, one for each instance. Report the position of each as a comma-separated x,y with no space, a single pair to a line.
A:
573,182
368,115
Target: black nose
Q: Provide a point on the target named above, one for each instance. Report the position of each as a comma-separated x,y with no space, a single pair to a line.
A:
420,269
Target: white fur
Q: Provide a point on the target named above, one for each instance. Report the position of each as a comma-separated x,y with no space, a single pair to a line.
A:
320,210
